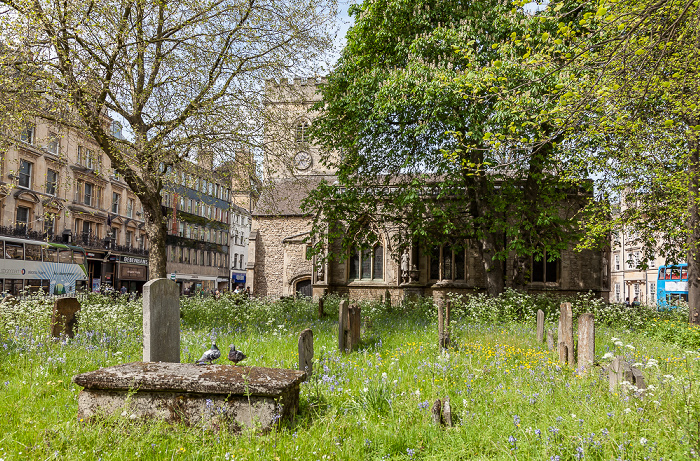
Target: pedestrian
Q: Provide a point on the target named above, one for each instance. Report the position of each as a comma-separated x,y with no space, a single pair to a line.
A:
627,302
123,290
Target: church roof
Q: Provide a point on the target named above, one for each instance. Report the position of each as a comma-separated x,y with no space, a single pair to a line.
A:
284,197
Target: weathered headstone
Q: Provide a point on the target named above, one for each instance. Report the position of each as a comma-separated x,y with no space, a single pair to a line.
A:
441,327
540,326
306,351
63,319
161,321
387,300
355,322
586,340
615,373
550,340
447,412
565,334
620,371
320,308
436,412
444,324
343,325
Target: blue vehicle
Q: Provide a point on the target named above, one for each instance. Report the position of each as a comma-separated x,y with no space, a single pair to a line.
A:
671,286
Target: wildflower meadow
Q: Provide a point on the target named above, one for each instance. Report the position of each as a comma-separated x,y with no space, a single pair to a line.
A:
510,397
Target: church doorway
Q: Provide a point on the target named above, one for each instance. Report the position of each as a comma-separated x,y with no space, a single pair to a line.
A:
304,288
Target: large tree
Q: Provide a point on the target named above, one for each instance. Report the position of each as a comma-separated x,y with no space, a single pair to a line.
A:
184,76
413,107
630,116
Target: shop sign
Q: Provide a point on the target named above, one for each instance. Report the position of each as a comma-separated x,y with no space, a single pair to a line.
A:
134,260
238,278
132,272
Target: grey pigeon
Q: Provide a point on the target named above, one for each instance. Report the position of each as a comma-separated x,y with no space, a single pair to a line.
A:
209,356
235,356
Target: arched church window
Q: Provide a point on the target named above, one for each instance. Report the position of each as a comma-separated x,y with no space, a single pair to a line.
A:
544,270
302,131
448,262
366,263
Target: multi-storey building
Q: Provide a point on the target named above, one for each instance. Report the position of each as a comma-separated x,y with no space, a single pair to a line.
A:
198,203
57,185
629,281
241,222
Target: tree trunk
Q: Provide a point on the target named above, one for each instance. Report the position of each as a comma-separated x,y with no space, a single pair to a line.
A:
493,267
157,231
694,234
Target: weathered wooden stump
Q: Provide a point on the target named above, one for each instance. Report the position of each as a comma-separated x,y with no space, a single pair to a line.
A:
63,319
306,351
355,315
214,396
540,325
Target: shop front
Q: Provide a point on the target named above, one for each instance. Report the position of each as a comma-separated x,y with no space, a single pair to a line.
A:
237,280
95,262
132,273
192,284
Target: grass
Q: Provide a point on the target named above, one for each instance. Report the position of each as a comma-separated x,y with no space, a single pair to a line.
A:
510,398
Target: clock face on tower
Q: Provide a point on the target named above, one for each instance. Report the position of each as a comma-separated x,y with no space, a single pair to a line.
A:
302,161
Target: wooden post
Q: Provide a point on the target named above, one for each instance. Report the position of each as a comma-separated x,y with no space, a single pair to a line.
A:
320,307
540,326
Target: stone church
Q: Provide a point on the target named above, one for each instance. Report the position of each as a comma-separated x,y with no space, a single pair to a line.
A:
279,263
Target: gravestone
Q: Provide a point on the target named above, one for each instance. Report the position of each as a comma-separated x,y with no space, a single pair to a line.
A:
343,325
63,319
436,412
354,313
306,351
586,341
320,307
161,321
550,340
447,412
387,300
540,326
565,335
444,325
620,371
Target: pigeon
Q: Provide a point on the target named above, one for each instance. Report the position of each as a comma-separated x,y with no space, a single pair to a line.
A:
209,356
235,356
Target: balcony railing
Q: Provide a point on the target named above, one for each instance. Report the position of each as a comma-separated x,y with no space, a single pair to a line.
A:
92,241
28,233
83,239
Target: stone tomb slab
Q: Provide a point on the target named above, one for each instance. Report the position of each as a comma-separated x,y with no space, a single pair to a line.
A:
213,396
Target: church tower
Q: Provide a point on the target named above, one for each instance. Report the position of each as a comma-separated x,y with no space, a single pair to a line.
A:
288,150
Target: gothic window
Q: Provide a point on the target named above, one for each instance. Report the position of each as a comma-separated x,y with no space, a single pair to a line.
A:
366,264
544,270
447,262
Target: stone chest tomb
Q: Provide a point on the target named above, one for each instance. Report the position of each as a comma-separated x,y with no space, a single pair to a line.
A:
214,396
